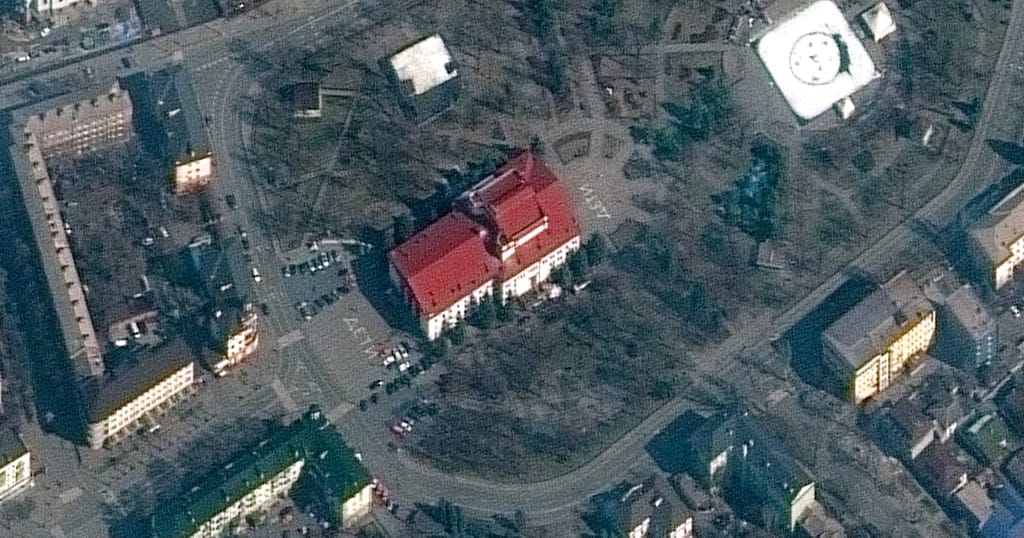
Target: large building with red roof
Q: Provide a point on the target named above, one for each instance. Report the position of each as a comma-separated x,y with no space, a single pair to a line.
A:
507,234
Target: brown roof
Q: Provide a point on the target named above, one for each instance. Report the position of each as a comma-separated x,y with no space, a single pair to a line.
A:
121,387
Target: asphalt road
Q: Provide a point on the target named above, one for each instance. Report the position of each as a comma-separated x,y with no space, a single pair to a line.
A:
222,86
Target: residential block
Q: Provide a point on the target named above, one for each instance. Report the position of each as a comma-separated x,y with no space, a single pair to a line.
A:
998,239
306,457
873,344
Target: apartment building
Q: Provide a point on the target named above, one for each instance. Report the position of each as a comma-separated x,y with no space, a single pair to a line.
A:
83,125
872,345
998,239
506,235
309,450
242,342
645,510
163,373
119,406
46,7
15,465
774,482
172,109
967,335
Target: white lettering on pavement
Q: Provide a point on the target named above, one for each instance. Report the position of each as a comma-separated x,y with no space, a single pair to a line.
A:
594,202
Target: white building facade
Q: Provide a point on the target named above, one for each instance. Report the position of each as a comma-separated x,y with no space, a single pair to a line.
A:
257,500
16,476
129,416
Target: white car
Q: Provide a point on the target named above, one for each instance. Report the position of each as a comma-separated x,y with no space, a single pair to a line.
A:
390,359
404,366
403,350
256,275
1015,310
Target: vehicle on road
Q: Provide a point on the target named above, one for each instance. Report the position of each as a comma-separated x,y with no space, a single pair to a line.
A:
256,275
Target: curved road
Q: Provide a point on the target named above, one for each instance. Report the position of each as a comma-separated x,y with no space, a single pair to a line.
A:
557,499
207,51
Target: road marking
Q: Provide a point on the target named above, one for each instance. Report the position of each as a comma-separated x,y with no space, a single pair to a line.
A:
289,339
594,202
336,414
362,336
70,495
282,395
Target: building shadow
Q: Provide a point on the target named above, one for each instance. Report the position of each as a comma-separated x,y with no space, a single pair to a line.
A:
803,342
374,282
57,401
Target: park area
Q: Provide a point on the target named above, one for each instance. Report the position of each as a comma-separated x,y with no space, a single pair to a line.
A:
676,152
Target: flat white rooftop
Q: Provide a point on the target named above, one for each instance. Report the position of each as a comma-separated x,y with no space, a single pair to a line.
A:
426,64
815,59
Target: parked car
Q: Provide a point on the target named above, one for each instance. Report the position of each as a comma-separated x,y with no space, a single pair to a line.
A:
286,271
376,384
256,275
232,201
404,366
403,350
1015,310
389,360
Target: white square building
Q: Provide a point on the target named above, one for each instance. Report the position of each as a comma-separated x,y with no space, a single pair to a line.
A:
815,59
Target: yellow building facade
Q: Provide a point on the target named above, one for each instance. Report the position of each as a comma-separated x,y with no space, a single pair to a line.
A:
192,174
872,344
882,369
998,239
241,344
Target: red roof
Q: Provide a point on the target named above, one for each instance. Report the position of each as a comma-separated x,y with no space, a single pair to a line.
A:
447,260
517,198
444,262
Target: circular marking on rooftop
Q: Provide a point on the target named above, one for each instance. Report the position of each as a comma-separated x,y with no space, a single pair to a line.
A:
815,58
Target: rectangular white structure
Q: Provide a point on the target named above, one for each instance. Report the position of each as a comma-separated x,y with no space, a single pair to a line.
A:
815,59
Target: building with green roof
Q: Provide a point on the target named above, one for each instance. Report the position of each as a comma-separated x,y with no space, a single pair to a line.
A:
306,460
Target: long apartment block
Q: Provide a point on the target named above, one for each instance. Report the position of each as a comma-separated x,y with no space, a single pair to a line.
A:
90,120
875,342
308,452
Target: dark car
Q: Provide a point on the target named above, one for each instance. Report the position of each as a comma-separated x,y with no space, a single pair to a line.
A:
126,62
264,309
231,200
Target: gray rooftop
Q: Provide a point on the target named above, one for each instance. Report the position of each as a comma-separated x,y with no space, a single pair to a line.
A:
11,447
175,106
870,326
1003,225
968,309
41,205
